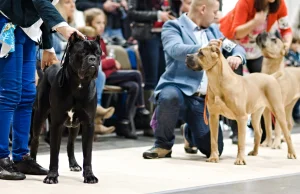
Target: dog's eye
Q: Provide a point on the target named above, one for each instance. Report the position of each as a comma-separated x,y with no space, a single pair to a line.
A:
274,40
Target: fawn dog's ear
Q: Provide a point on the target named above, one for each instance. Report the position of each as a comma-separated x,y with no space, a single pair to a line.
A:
215,51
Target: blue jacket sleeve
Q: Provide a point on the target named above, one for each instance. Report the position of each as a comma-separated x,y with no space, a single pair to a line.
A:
48,13
173,43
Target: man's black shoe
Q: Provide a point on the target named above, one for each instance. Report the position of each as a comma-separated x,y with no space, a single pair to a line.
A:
29,166
8,171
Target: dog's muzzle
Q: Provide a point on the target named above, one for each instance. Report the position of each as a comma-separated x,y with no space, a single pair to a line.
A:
191,63
90,70
261,39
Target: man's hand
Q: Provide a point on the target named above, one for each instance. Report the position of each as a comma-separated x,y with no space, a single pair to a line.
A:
234,62
48,59
215,42
67,31
124,4
118,65
110,6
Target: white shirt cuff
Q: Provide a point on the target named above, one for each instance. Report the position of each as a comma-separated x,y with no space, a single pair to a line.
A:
61,24
50,50
158,16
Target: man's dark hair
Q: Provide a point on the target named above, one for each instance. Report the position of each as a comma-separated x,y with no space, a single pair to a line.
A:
260,5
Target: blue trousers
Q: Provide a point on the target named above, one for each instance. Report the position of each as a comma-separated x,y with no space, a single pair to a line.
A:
153,60
17,94
172,105
100,83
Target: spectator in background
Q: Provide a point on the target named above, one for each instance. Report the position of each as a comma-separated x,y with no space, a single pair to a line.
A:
148,18
115,11
131,80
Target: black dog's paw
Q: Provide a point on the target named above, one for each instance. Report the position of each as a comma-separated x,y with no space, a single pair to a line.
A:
89,177
51,178
75,168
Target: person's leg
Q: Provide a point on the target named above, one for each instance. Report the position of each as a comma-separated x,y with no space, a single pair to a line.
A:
23,112
200,131
109,32
10,91
254,66
100,83
233,123
149,51
170,105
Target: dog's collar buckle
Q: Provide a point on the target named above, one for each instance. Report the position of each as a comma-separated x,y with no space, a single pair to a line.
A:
80,86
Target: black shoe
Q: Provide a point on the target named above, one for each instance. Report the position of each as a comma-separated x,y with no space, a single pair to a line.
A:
142,119
235,139
29,166
148,133
142,112
123,130
8,171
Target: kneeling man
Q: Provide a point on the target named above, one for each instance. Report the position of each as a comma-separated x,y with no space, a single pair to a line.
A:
181,92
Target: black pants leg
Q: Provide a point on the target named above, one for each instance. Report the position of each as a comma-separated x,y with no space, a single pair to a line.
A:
254,66
233,123
131,80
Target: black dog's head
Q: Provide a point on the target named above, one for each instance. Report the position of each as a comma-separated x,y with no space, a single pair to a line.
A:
83,56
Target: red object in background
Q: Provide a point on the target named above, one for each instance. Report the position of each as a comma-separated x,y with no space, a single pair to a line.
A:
165,7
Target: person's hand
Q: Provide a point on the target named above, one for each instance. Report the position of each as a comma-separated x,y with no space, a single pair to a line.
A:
67,31
124,4
164,16
234,62
171,17
286,47
215,42
260,18
110,6
48,59
118,65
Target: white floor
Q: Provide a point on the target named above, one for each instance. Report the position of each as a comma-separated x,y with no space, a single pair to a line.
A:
125,171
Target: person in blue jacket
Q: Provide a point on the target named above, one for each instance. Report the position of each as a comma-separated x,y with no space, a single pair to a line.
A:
22,25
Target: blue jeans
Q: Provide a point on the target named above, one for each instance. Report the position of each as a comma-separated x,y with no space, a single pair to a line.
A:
109,32
153,60
17,94
100,83
172,105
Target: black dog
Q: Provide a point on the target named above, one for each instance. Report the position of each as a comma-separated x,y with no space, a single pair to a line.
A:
68,94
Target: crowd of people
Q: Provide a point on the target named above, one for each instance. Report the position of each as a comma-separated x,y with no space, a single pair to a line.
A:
144,46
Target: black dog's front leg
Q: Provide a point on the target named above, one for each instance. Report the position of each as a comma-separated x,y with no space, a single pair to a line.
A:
73,165
55,140
87,144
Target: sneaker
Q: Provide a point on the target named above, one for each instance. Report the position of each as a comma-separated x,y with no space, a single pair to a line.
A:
8,171
29,166
187,148
155,153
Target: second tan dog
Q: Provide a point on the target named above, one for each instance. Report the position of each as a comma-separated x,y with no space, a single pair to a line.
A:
235,97
273,51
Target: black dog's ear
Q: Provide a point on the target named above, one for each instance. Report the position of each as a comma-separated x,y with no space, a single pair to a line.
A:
97,39
74,37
